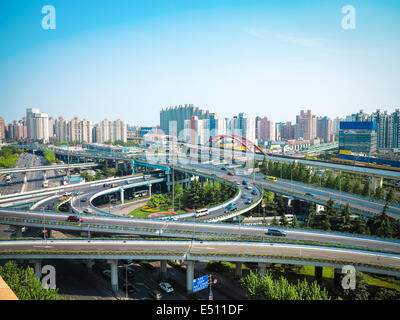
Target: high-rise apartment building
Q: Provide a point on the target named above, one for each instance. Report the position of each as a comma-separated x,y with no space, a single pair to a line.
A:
324,129
2,129
37,125
109,130
387,127
242,125
306,126
265,129
177,115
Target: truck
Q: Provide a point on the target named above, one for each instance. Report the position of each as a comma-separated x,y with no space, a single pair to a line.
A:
45,184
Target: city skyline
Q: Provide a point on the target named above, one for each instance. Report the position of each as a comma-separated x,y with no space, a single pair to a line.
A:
267,60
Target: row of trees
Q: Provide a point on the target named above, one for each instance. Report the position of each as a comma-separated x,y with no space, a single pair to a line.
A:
49,156
267,288
330,219
194,196
9,156
24,283
343,182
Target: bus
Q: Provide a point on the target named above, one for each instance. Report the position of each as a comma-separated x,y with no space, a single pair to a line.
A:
274,179
201,212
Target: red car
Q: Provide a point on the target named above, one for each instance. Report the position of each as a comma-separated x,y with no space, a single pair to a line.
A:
74,219
231,174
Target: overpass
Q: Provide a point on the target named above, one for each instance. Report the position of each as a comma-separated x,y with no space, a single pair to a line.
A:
49,168
192,251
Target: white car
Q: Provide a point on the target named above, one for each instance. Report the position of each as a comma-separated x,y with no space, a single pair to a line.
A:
166,287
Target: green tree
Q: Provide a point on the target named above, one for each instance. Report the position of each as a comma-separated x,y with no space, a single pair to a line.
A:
295,222
390,195
24,283
378,193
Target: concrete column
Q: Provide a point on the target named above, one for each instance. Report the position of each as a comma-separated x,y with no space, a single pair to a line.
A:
189,276
122,191
18,232
318,274
25,177
238,270
337,277
169,182
44,175
262,268
163,269
150,190
125,167
376,182
37,264
116,164
114,274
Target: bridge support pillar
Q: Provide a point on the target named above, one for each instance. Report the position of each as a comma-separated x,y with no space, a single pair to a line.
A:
376,182
18,232
189,276
37,265
44,175
337,277
114,274
262,269
238,270
125,167
163,269
318,274
169,182
122,193
116,164
25,177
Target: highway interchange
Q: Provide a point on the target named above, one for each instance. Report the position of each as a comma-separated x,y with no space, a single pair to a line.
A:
386,257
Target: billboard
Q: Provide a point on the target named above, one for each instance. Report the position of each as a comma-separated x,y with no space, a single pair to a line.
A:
357,125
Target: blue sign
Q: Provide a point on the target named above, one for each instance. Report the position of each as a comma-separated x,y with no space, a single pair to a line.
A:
200,283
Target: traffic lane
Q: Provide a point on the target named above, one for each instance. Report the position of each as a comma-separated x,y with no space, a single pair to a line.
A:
296,251
205,247
234,229
365,204
100,245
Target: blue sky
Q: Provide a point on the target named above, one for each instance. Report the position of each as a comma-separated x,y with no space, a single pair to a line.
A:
128,59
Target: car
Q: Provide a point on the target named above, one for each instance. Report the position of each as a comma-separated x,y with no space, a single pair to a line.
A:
244,196
66,194
87,210
77,193
230,173
145,178
155,294
166,287
112,185
248,187
248,201
104,185
309,194
128,182
245,182
107,274
83,200
237,182
223,168
275,232
254,192
74,219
